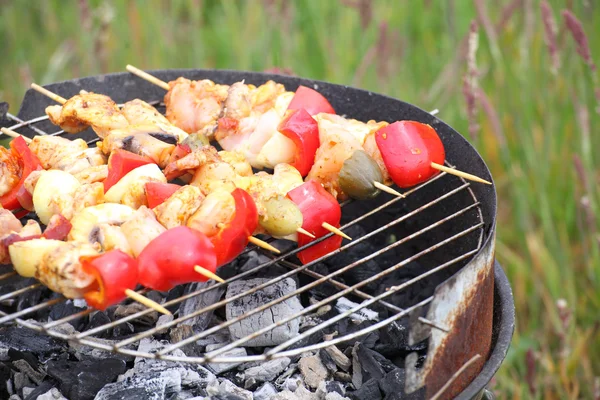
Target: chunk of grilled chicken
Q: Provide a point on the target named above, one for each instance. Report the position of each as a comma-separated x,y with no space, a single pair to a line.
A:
178,208
141,228
10,171
139,113
195,106
84,110
11,229
72,156
340,138
60,269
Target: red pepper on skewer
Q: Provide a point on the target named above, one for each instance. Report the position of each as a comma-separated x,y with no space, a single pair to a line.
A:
232,237
158,192
120,163
310,100
115,272
303,130
28,162
317,206
408,148
169,259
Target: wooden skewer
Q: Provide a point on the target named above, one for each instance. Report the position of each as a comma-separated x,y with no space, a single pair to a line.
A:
46,92
335,230
146,76
14,134
146,301
387,189
305,232
208,274
263,244
461,174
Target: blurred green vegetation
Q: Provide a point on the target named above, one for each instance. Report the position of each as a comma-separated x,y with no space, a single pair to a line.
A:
537,130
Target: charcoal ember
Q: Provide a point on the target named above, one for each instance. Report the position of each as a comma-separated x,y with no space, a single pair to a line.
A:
346,327
80,380
340,359
392,386
5,373
327,361
64,309
372,364
154,385
364,314
267,371
35,375
46,389
342,376
219,368
173,294
20,380
261,319
31,359
24,339
393,341
227,390
97,319
369,390
32,297
195,303
179,333
360,250
412,294
84,352
301,393
265,392
123,330
313,370
334,387
125,310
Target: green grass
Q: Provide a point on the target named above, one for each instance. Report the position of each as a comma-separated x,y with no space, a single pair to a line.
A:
548,238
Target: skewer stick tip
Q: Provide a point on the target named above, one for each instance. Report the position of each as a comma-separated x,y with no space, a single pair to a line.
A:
305,232
147,77
14,134
263,244
335,230
47,93
387,189
453,171
206,273
146,301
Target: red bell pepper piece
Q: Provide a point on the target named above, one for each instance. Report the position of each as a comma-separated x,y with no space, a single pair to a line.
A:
58,228
310,100
317,206
114,272
169,259
303,130
408,148
28,162
232,238
158,192
120,163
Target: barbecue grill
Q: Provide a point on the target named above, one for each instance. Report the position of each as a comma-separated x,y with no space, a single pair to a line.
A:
433,251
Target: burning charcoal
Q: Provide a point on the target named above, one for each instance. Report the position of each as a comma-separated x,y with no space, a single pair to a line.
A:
372,364
151,385
83,379
23,366
327,361
219,368
64,309
4,377
20,380
124,310
339,358
269,370
84,352
259,320
365,314
45,391
27,356
99,318
226,389
335,396
123,330
265,392
313,370
342,377
208,298
163,320
392,385
24,339
332,386
369,390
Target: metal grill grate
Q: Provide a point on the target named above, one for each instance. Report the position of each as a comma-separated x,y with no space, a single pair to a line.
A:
447,201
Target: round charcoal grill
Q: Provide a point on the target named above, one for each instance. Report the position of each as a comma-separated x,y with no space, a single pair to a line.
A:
425,261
